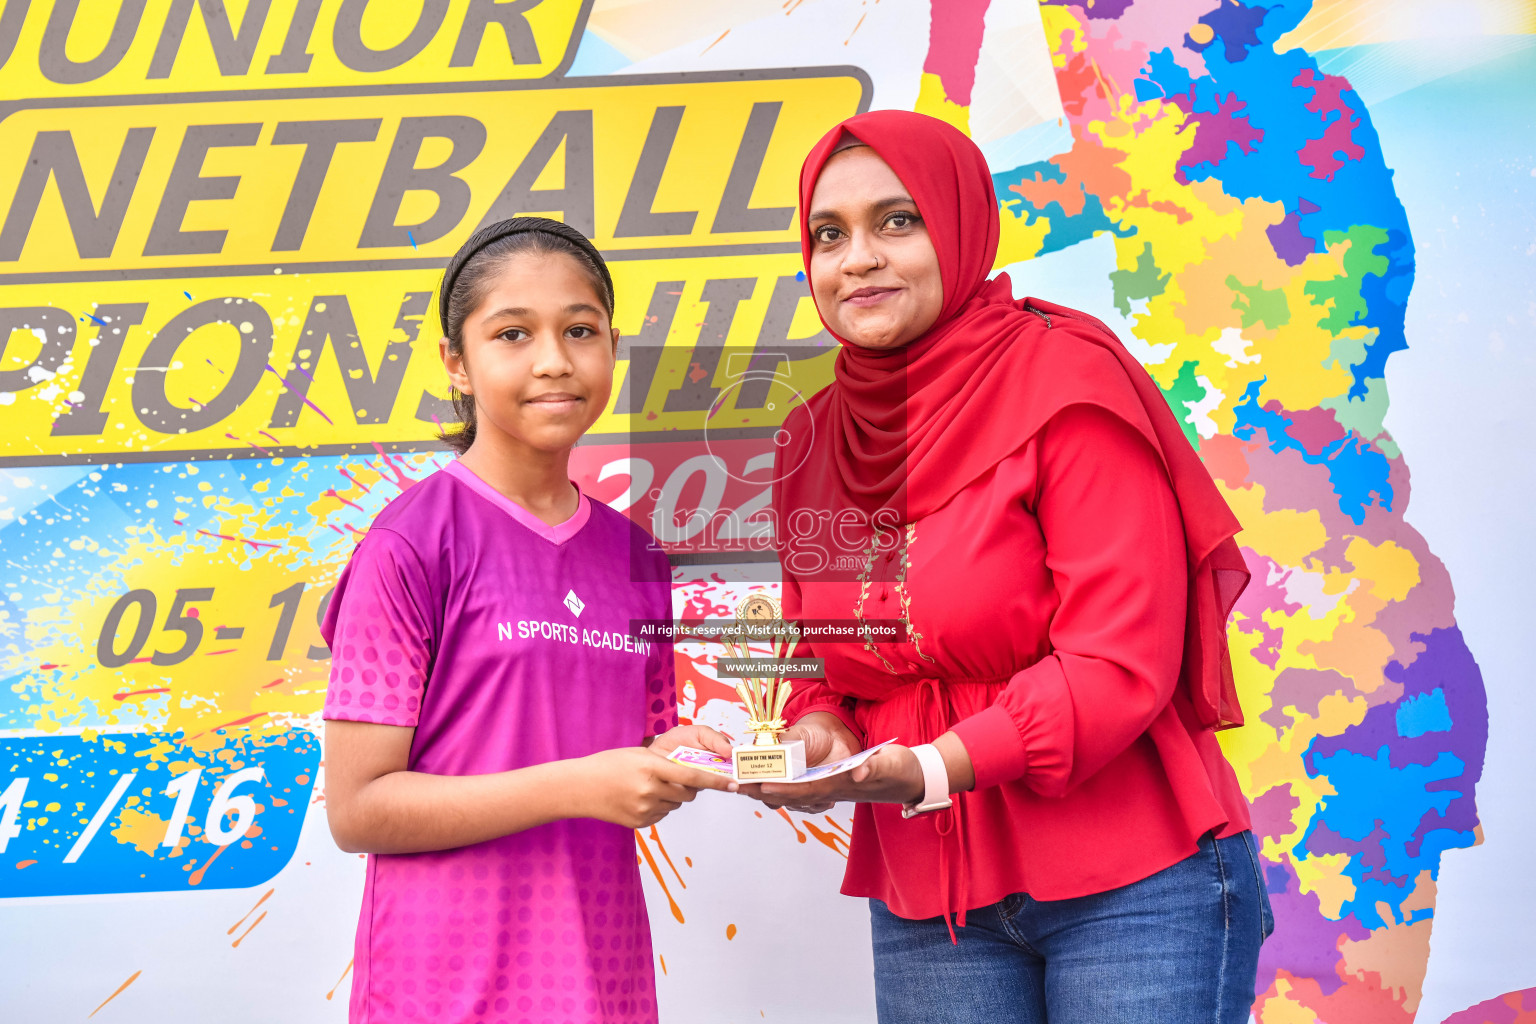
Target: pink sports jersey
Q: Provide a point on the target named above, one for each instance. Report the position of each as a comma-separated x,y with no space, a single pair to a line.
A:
505,643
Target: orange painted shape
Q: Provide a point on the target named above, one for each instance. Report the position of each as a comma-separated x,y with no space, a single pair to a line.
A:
196,877
785,815
661,848
830,840
339,980
677,911
131,979
248,913
248,931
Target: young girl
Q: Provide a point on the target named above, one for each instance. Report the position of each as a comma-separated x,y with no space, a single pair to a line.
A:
488,717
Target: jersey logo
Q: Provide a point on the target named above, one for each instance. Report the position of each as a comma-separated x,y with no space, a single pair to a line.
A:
574,603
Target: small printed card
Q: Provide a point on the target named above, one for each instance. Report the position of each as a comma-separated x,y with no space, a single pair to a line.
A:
706,761
703,760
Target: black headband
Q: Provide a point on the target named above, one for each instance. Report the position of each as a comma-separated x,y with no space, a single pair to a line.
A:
493,233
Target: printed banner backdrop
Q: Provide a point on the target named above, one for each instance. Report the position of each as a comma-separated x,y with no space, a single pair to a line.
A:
223,225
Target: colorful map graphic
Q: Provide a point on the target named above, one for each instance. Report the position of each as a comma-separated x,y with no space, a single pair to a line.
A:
1264,256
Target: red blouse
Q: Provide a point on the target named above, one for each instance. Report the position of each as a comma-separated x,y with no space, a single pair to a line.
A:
1046,607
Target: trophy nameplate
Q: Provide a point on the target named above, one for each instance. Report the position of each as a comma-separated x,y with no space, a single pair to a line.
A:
766,758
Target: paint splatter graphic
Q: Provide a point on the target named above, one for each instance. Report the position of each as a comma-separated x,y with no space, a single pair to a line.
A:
162,664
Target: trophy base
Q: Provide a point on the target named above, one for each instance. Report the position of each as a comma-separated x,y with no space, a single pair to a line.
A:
782,762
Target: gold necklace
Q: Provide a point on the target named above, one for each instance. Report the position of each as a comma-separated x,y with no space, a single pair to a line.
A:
903,595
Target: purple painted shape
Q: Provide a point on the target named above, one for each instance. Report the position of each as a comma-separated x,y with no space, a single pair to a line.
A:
1214,131
1102,10
1327,94
302,397
1236,26
1370,852
1515,1007
1288,242
1305,943
1271,813
1315,428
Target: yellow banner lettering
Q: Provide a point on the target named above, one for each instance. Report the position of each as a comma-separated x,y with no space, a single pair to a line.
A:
174,46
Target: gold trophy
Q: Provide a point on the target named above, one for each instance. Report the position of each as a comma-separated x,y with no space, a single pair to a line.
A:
766,759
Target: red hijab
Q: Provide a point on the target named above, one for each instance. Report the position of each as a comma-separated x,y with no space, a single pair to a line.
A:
907,429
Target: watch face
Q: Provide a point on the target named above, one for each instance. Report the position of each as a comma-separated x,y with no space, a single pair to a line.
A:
758,608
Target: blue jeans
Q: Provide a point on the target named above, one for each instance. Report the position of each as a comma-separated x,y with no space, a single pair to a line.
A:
1178,947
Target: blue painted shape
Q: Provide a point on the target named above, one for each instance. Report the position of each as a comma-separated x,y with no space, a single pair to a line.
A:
84,774
1375,794
1422,713
1164,76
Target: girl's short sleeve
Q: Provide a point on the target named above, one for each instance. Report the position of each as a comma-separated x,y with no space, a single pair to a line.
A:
661,688
380,639
661,668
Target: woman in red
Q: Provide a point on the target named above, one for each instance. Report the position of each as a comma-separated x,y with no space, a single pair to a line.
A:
1005,479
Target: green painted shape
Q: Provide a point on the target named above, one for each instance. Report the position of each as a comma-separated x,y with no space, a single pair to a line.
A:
1366,416
1342,295
1184,389
1345,352
1259,305
1144,282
